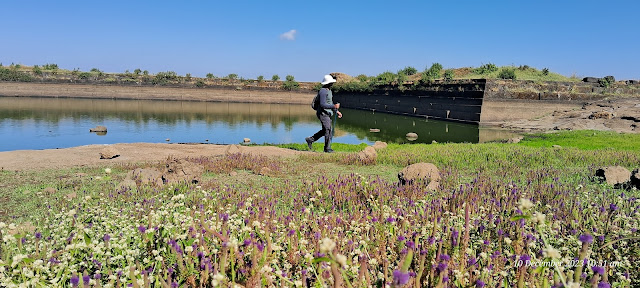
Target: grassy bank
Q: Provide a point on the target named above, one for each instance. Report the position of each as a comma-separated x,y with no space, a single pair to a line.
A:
327,219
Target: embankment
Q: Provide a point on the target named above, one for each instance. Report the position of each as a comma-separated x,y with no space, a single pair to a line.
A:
245,95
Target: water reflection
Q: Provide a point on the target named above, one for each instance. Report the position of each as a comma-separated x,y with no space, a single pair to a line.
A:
45,123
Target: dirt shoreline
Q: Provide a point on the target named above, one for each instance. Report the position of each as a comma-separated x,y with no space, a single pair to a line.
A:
89,155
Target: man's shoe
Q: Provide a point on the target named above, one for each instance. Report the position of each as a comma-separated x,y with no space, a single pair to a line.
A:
309,142
328,151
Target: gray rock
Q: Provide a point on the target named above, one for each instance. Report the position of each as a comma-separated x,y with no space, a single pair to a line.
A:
514,140
614,175
374,130
412,135
50,190
265,171
128,184
424,172
590,79
109,153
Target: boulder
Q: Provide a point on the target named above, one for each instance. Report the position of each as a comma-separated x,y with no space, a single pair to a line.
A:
425,172
635,178
71,196
379,145
614,175
265,171
590,79
246,140
177,170
109,153
368,155
102,129
633,82
145,176
412,136
232,149
374,130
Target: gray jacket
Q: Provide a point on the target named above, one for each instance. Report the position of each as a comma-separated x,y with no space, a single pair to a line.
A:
326,101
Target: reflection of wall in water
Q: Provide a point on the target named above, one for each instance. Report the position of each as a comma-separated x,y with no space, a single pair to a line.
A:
393,128
168,112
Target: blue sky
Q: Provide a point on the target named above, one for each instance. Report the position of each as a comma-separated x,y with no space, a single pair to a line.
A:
252,38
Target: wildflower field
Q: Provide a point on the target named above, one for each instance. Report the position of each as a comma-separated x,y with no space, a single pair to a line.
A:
505,215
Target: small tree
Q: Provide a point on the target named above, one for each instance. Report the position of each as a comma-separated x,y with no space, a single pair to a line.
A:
290,83
275,78
432,73
545,71
36,70
232,76
137,71
145,73
260,79
188,77
210,76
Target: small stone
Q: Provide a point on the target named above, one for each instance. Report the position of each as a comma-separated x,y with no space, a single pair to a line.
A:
374,130
50,190
109,153
265,171
246,140
71,196
379,145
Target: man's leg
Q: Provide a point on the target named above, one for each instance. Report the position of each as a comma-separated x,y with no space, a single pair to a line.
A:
326,126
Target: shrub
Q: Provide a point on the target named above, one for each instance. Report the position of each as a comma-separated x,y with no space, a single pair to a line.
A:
210,76
84,75
507,73
545,71
317,86
408,71
37,70
362,78
385,78
137,71
50,66
188,77
290,83
275,78
14,75
448,74
260,79
432,73
606,81
162,78
200,84
145,73
232,76
486,68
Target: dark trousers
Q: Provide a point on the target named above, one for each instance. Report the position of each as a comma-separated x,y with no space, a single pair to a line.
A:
325,119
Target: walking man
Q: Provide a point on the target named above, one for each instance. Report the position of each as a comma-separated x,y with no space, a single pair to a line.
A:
324,111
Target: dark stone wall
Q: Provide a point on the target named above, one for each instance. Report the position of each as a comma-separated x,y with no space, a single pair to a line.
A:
459,101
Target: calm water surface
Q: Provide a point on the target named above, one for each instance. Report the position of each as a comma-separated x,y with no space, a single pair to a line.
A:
46,123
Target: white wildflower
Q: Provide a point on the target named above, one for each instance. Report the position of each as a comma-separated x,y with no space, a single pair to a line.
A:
507,241
318,193
524,204
342,260
551,253
327,245
107,170
539,218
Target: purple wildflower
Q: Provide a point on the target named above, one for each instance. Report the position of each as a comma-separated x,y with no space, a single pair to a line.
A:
586,238
38,235
612,207
142,229
75,280
97,276
106,237
479,283
401,238
604,285
598,270
400,278
86,279
410,244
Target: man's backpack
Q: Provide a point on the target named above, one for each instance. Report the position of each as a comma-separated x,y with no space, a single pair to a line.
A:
316,102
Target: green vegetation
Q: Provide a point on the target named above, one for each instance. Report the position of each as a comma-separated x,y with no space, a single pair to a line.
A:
275,78
408,71
507,73
290,83
331,218
585,139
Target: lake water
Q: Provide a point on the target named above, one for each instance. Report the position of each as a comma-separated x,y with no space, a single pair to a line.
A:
49,123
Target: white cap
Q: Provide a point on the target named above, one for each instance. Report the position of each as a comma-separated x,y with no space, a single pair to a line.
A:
327,79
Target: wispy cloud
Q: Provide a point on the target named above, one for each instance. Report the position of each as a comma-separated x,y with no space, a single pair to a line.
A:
289,35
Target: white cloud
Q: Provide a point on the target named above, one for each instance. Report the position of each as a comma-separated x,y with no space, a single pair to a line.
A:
289,35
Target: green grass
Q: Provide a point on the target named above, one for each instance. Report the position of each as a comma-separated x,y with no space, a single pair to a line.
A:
585,139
